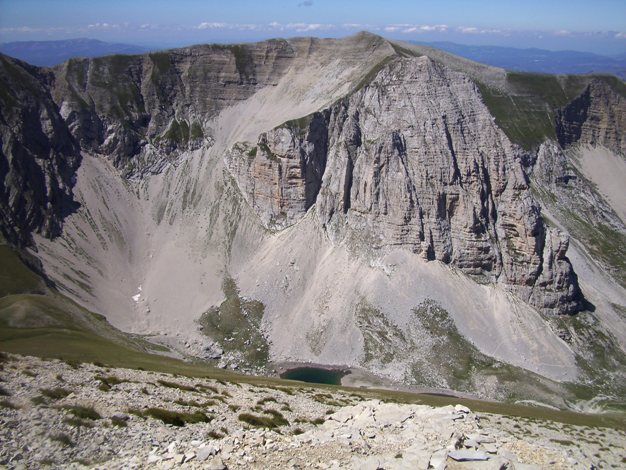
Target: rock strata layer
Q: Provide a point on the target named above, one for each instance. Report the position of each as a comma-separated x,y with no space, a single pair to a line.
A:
414,159
596,117
38,156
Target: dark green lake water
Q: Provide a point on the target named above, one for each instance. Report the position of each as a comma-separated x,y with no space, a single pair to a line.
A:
314,375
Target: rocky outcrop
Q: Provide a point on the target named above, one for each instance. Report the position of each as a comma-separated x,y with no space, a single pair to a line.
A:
158,104
281,176
596,117
38,156
415,160
143,111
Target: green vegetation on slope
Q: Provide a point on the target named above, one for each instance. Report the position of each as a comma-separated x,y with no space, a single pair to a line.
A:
526,109
236,326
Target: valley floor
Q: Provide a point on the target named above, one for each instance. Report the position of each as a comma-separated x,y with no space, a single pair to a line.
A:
67,415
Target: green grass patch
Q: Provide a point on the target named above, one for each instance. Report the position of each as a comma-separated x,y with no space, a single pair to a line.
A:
56,393
118,422
62,439
215,435
272,419
236,326
4,403
83,412
15,276
169,384
176,418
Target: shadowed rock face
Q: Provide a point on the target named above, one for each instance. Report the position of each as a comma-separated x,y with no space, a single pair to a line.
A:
38,156
596,117
414,159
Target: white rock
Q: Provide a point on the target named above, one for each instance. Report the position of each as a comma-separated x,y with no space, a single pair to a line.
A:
467,455
462,409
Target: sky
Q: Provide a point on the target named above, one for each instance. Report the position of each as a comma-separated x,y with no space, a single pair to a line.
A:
595,26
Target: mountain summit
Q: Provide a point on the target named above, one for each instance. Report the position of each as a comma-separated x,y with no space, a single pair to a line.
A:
358,202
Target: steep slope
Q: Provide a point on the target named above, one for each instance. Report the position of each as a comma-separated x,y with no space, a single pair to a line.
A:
38,156
376,200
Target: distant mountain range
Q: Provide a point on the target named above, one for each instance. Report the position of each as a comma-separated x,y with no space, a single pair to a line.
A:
537,60
48,53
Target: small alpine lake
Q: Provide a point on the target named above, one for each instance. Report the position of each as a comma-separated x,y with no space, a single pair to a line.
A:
315,375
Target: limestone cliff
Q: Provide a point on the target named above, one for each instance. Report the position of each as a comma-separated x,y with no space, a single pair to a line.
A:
596,117
414,159
38,156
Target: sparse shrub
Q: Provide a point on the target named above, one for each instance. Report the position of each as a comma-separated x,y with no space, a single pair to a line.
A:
4,357
119,422
297,432
55,393
29,373
186,388
193,403
274,420
60,378
7,404
62,438
257,421
265,400
318,421
234,408
74,364
38,400
135,411
209,388
215,435
176,419
98,364
4,392
83,412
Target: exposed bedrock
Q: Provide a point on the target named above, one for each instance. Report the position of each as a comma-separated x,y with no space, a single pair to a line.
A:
596,117
414,159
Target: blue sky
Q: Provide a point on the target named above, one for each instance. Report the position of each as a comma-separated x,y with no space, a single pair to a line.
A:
597,26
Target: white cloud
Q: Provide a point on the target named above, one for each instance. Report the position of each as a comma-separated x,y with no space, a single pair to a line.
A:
211,25
469,30
474,30
304,27
620,36
306,3
562,32
103,26
434,27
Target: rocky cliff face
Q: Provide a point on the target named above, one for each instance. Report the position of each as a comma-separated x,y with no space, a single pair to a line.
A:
281,175
38,156
157,105
596,117
414,159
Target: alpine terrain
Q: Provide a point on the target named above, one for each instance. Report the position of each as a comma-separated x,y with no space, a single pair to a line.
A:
421,220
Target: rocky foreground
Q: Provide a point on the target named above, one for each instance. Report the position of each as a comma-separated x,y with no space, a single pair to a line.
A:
67,415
